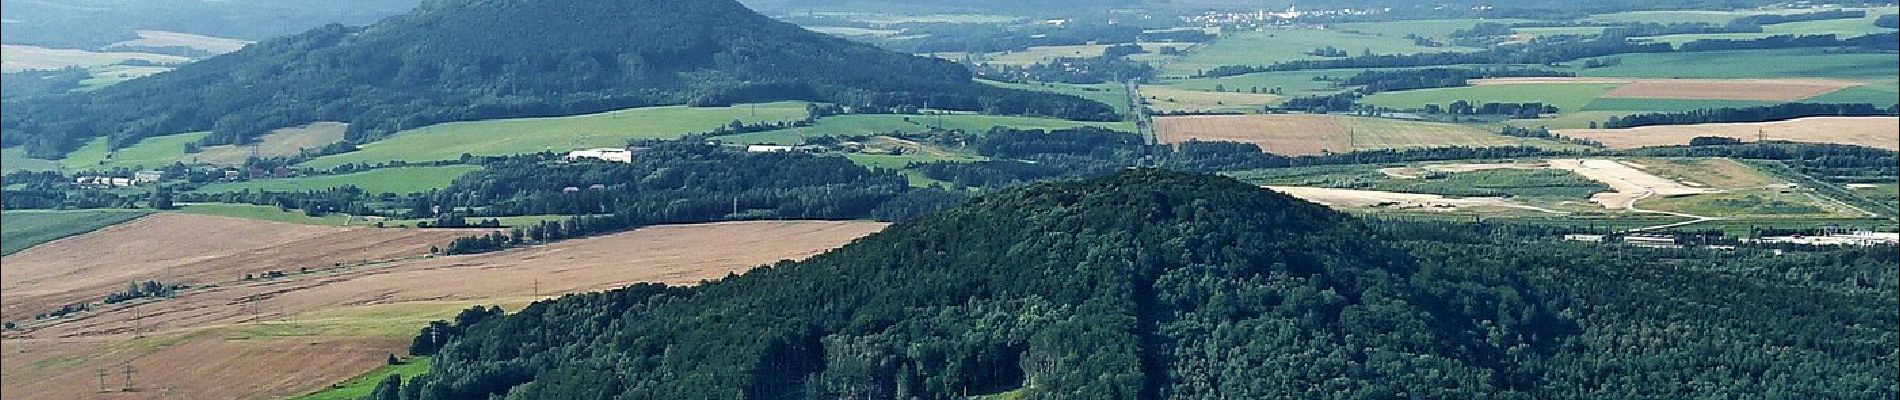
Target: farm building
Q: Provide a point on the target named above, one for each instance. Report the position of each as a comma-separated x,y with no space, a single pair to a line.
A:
144,177
619,155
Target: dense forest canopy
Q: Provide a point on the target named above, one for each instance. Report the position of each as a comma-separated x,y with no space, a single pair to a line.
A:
1150,284
455,60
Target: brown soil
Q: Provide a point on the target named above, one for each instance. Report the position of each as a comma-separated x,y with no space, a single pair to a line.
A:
188,249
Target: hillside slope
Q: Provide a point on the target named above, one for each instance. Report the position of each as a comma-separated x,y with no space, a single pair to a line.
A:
478,59
1150,284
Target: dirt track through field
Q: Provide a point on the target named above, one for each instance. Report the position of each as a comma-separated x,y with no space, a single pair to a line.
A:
1876,132
245,331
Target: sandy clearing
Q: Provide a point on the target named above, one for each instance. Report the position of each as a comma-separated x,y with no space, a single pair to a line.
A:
1416,171
1628,183
679,254
89,266
1285,134
1356,198
1876,132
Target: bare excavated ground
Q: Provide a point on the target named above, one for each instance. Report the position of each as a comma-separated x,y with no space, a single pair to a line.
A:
1876,132
342,322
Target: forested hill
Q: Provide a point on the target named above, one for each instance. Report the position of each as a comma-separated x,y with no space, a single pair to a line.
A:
1150,284
475,59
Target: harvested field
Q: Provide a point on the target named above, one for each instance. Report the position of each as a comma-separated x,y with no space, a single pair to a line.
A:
1288,134
1166,99
342,322
1877,132
1630,183
188,249
213,44
1304,134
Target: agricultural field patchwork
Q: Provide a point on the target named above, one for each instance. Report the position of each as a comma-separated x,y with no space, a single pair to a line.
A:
1169,99
1566,96
1876,132
338,321
21,58
151,152
1268,47
1779,63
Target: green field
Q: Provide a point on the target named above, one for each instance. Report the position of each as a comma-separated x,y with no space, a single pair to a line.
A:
1290,83
873,124
361,386
15,159
1268,47
152,152
1566,96
403,180
264,213
1667,105
1885,93
1559,30
1112,94
1844,28
1780,63
526,135
23,229
1667,17
1430,28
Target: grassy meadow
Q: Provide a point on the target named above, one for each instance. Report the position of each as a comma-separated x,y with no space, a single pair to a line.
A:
449,141
20,229
401,180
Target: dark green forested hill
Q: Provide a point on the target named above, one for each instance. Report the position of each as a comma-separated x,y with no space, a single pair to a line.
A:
474,59
1150,285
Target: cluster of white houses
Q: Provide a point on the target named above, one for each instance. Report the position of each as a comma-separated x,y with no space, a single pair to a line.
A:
138,178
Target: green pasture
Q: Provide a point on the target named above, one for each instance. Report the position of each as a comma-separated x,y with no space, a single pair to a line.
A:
401,180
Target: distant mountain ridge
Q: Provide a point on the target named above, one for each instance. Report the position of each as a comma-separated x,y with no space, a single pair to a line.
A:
455,60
